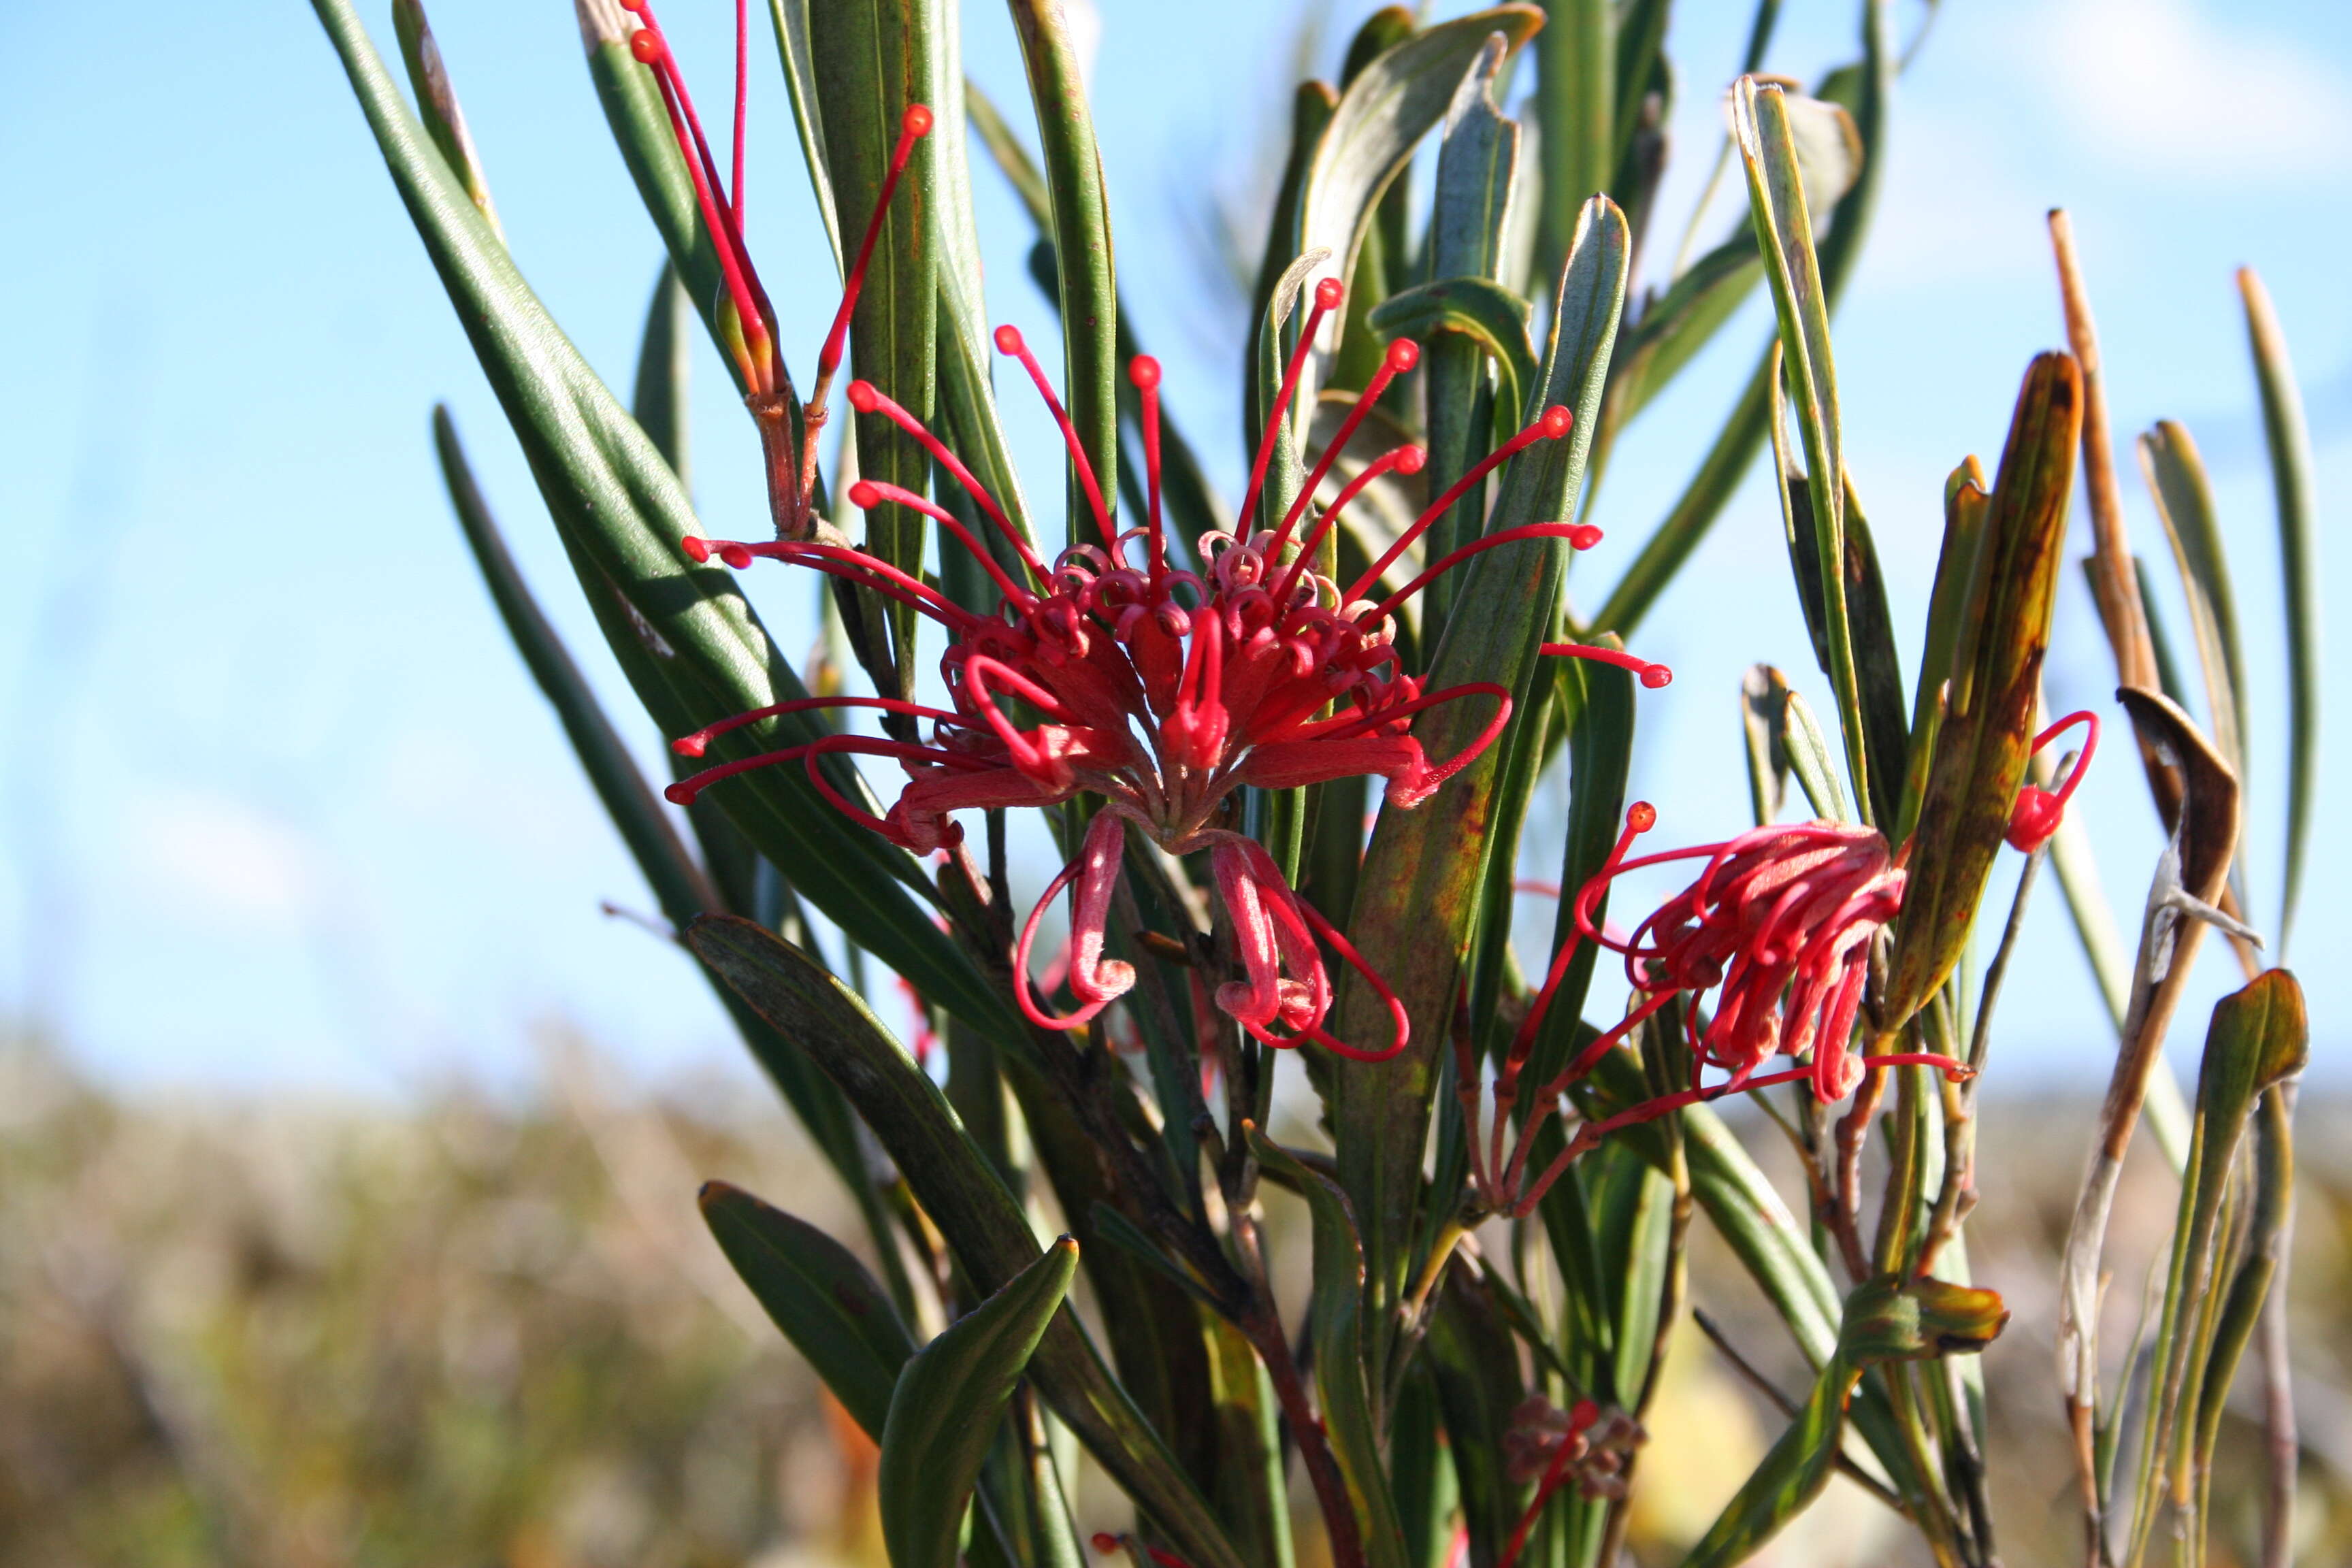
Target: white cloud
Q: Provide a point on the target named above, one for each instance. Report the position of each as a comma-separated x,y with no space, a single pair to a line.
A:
2170,89
221,858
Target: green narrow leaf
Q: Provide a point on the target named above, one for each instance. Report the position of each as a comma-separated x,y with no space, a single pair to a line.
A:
1807,751
1280,269
2290,476
1764,727
1878,667
2261,1256
1476,165
1476,1369
872,60
2184,503
694,650
944,1413
1491,317
1720,473
659,402
1394,101
952,1179
1600,761
820,1296
437,104
1082,245
1784,236
1576,110
677,881
2260,1037
1186,496
797,54
1424,867
1887,1317
681,887
1250,1492
1344,1368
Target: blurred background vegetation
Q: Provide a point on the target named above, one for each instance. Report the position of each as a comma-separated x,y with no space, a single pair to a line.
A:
279,1332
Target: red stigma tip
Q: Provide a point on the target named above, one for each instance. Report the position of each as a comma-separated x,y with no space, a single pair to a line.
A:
635,6
1656,675
1008,339
1581,1414
1330,292
1104,1541
690,745
1403,354
696,548
1556,421
864,496
917,121
645,45
863,397
1412,459
1584,536
735,555
679,794
1143,370
1641,817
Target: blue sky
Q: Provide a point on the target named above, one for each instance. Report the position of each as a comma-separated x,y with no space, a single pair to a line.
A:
282,809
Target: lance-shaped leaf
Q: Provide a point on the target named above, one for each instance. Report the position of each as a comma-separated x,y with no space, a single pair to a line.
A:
1764,727
1343,1368
1987,729
1720,473
2184,500
1082,248
945,1410
1885,1319
1425,868
2260,1037
2291,477
1488,315
1576,113
659,401
2190,876
698,652
872,60
952,1179
1878,667
1311,107
1476,1369
796,52
1674,326
1185,492
819,1295
1811,759
1385,112
436,104
1599,758
1784,236
1476,162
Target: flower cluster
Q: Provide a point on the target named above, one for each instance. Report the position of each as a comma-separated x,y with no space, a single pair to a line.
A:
1117,673
1778,925
1582,1447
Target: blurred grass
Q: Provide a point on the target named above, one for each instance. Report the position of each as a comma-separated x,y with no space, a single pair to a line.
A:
285,1333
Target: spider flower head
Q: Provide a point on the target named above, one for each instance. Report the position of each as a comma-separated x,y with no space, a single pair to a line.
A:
1120,672
1776,926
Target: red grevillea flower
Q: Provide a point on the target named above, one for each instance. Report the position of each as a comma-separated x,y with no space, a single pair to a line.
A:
1116,673
1778,925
